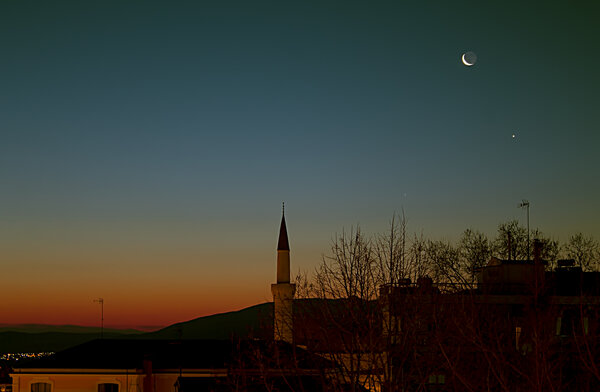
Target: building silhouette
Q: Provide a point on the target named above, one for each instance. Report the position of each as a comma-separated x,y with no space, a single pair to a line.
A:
522,327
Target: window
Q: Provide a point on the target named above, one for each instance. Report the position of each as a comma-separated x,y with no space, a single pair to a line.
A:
41,387
572,322
108,387
436,379
518,332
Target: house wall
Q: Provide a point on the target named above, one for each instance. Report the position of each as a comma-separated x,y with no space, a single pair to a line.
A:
73,382
129,381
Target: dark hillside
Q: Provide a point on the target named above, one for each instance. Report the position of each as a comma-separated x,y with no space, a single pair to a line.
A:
25,342
242,323
253,321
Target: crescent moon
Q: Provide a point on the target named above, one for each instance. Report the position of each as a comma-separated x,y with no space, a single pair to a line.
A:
465,62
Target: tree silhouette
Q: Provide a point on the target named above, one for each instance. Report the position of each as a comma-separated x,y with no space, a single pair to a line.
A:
584,250
395,312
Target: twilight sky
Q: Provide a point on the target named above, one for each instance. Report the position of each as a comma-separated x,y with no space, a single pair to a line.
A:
146,146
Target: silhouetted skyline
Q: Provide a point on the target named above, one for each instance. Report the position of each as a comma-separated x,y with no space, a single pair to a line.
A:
146,147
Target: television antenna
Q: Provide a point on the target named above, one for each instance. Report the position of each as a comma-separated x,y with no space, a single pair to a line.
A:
525,204
101,302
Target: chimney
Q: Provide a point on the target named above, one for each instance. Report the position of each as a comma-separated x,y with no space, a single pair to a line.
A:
148,385
537,252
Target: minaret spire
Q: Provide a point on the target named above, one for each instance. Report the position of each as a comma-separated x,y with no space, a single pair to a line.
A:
283,243
283,253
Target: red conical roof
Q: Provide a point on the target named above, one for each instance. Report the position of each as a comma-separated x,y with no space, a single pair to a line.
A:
283,243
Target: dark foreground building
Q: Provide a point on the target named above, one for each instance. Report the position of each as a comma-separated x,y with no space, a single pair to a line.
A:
167,366
521,328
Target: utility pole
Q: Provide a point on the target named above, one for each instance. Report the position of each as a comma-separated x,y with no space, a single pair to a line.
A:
101,302
525,203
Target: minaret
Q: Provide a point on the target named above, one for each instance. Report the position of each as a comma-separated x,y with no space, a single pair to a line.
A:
283,291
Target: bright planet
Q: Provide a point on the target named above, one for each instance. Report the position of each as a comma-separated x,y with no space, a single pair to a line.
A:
469,58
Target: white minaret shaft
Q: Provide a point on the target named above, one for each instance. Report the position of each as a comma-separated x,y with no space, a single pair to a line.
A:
283,291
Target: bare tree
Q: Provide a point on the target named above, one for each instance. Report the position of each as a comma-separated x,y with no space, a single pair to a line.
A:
548,247
585,251
349,270
339,319
417,258
391,253
444,262
474,250
511,241
345,318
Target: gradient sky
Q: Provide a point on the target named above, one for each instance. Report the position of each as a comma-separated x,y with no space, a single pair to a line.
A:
146,147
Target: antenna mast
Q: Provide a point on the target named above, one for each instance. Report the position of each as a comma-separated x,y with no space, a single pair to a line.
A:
525,203
101,302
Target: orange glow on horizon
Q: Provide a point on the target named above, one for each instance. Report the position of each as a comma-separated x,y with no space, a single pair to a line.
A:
124,307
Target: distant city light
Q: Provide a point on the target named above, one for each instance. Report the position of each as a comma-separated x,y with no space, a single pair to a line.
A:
19,356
